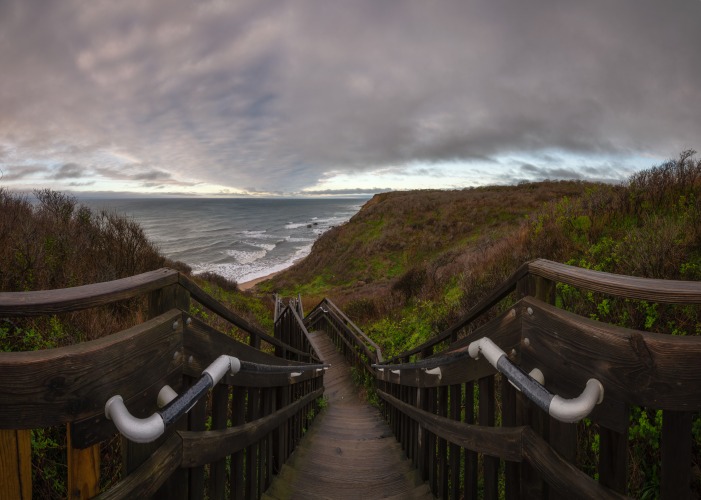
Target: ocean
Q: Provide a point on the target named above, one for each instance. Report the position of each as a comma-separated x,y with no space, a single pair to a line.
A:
240,239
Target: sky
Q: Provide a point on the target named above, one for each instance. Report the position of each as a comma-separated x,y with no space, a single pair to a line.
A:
300,98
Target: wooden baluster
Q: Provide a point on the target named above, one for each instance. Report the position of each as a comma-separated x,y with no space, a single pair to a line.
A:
217,470
268,408
413,427
471,478
15,464
613,457
487,418
512,470
455,399
422,403
532,485
238,417
252,451
197,418
83,469
442,445
432,462
676,455
404,421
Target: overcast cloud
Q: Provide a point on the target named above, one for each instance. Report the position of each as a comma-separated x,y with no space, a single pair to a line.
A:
280,97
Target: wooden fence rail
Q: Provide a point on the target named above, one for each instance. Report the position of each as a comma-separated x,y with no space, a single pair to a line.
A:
230,443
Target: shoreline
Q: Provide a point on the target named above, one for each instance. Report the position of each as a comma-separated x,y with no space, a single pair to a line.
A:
247,285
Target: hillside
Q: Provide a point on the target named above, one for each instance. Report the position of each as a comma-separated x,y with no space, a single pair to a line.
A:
399,239
418,260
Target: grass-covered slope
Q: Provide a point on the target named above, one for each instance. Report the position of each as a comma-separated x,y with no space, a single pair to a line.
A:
395,233
410,263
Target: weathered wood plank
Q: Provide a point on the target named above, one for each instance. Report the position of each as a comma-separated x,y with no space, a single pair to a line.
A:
653,290
55,386
201,448
48,302
641,368
146,480
15,464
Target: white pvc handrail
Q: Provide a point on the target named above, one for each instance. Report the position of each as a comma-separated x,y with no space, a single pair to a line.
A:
564,410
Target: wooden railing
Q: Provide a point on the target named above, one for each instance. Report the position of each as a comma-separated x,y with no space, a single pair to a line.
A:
468,430
290,330
236,439
358,349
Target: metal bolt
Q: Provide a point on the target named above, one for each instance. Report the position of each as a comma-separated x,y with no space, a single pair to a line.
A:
176,356
530,311
175,325
513,353
526,342
188,321
190,360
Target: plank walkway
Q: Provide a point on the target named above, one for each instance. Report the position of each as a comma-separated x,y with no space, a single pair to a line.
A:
349,452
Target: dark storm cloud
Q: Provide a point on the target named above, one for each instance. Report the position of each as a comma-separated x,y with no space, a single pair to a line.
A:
69,171
274,95
15,173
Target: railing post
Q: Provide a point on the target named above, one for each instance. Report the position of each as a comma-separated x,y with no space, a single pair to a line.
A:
238,417
134,454
83,469
561,436
15,464
531,482
676,455
613,456
487,416
512,470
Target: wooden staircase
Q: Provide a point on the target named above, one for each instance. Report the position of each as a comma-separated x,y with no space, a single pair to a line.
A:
349,451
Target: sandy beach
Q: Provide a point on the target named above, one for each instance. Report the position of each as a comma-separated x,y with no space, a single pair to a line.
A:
250,284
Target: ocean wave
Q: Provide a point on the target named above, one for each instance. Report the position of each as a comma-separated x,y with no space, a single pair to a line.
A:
265,246
295,225
242,273
246,257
